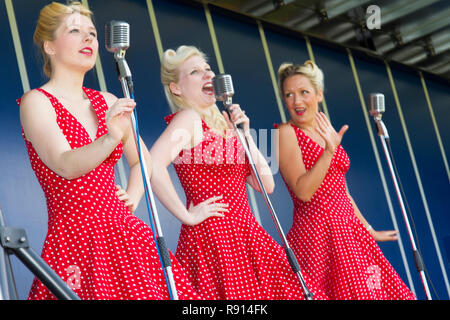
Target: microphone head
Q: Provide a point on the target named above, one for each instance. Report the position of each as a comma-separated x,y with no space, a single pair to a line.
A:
223,87
117,36
376,103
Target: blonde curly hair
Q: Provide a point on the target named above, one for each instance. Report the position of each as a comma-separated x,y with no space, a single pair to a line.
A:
171,61
308,69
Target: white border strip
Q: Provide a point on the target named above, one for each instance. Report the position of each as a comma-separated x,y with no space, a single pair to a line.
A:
250,191
311,56
154,23
17,46
212,32
271,71
436,129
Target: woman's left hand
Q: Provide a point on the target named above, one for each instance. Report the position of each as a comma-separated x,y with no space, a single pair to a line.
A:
382,236
237,116
123,196
327,132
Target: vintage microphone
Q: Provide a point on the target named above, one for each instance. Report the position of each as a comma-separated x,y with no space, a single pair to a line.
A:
223,90
377,107
117,38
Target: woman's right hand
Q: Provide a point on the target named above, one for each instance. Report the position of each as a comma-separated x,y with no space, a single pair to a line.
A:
237,116
206,209
118,116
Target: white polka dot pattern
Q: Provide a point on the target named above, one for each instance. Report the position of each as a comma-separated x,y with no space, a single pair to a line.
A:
94,243
231,257
331,243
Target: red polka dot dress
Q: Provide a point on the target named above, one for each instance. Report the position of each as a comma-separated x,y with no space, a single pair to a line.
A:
94,243
231,257
331,243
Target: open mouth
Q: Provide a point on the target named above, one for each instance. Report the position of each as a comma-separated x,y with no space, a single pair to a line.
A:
300,111
208,89
87,51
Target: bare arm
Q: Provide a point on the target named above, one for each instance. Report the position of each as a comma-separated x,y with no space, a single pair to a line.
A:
179,135
305,183
135,186
302,182
38,120
389,235
358,213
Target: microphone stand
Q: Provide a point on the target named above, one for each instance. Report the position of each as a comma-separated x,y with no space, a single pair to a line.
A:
290,254
161,246
384,138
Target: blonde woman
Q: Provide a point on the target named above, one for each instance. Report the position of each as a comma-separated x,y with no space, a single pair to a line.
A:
333,242
227,256
74,136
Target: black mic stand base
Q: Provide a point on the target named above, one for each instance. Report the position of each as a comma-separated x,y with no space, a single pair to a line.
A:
15,241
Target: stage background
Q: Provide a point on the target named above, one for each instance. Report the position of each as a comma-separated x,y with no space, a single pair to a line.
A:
251,52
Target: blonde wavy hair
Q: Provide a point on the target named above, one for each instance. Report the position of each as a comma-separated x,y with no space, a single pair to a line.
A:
49,20
308,69
171,61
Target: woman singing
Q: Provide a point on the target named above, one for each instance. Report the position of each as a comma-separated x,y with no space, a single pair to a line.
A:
228,256
333,242
74,136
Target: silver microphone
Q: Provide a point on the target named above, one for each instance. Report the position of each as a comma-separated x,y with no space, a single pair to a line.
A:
224,91
117,36
117,41
223,88
376,103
